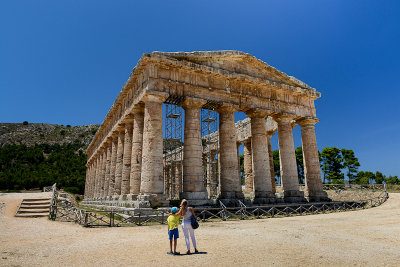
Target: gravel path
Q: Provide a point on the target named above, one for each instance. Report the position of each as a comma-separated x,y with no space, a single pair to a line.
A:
359,238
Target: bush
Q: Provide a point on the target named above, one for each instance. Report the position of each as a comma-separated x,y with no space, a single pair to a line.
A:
62,132
72,190
68,126
25,123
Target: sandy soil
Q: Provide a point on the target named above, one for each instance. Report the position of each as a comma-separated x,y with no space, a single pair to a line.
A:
358,238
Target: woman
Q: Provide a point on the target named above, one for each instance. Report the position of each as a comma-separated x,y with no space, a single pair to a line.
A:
187,213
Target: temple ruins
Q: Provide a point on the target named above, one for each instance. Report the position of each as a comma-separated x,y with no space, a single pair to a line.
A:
171,133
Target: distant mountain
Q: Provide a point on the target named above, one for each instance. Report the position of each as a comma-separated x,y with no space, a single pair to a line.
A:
43,133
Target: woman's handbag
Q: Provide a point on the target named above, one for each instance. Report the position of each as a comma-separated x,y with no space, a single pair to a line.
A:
194,222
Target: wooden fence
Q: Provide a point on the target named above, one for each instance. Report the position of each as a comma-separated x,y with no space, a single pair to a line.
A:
112,218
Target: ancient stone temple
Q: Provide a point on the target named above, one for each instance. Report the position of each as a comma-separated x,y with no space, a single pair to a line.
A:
133,157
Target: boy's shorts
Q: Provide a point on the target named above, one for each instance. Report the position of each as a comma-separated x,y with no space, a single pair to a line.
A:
174,233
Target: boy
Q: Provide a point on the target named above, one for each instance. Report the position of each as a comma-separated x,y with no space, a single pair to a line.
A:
173,221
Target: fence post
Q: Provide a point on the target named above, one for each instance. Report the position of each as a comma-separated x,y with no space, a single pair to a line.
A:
86,219
112,218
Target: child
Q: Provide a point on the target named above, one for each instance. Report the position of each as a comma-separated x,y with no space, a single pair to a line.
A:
173,221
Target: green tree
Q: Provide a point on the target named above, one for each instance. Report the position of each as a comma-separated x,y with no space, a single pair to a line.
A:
364,177
350,162
392,180
379,178
277,168
300,164
332,163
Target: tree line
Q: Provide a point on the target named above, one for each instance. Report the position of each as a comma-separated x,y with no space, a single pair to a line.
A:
337,166
23,167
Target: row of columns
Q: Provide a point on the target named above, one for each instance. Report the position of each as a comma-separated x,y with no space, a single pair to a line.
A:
131,160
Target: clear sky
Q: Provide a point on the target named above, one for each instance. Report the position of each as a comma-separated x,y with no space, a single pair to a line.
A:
64,62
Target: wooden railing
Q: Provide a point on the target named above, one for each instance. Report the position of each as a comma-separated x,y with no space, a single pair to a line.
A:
112,218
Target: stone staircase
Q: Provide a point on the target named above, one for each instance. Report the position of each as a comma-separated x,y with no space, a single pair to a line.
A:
39,207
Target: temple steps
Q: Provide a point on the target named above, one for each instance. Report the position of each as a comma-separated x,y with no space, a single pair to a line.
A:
34,208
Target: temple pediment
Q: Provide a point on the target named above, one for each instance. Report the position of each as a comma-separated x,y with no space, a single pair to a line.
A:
233,62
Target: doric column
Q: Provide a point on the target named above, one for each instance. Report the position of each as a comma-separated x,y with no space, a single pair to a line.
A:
260,161
126,168
98,174
114,148
87,182
108,167
230,184
137,142
248,166
151,187
120,160
287,158
178,179
212,174
193,182
312,172
103,170
271,161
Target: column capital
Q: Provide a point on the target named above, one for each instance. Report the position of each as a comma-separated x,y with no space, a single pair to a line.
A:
114,134
227,108
247,141
155,97
282,118
307,121
191,102
128,119
270,133
138,108
109,140
120,128
257,113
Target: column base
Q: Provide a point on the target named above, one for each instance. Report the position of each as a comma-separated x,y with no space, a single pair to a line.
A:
294,196
152,200
231,195
197,198
317,196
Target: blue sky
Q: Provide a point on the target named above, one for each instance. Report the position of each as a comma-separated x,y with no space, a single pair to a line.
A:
64,62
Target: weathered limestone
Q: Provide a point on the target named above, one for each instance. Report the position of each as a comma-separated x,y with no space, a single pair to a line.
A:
312,172
230,184
151,187
125,158
136,158
288,167
103,171
114,148
212,174
108,167
120,160
126,168
248,167
271,160
260,161
193,184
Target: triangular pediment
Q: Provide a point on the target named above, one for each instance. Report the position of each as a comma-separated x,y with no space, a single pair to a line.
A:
235,62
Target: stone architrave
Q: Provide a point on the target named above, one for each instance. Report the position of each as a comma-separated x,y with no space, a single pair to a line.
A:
312,172
120,160
260,160
152,179
248,166
126,168
137,143
287,158
108,167
271,161
230,184
114,148
193,182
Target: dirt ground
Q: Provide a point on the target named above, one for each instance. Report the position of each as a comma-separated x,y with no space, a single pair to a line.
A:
356,238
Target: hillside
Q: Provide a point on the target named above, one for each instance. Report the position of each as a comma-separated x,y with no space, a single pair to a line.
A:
30,134
33,155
